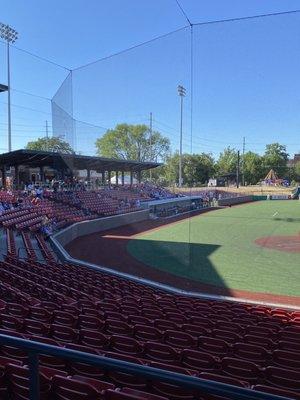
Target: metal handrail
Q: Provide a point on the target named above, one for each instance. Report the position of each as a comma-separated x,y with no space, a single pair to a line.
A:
192,383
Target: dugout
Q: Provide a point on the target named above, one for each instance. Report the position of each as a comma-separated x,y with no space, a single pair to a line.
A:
156,206
65,165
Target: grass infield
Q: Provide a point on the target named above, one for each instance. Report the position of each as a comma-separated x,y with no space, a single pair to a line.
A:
219,248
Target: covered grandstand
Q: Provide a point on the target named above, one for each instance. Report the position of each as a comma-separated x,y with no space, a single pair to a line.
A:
67,164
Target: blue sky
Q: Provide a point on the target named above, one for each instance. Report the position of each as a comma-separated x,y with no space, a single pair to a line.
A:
246,74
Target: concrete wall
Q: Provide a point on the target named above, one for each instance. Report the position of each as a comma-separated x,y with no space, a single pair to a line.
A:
235,200
96,225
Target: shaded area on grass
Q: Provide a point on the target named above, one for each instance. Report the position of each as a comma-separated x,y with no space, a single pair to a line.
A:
187,260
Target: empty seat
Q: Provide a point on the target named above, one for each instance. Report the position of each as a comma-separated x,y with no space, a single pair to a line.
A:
199,360
160,352
37,328
240,369
278,392
179,339
169,390
228,336
286,359
164,324
213,345
125,345
125,379
90,322
195,330
63,333
116,327
18,377
47,360
94,339
79,388
283,378
80,368
145,332
131,394
257,354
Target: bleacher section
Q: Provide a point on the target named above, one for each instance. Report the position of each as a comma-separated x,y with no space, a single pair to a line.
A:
73,307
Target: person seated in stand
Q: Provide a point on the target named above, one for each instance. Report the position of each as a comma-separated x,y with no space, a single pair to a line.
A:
2,208
39,192
35,200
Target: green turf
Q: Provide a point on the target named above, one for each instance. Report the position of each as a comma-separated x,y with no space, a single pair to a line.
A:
218,248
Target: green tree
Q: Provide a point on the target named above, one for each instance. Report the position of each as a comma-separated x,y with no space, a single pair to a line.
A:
133,142
297,171
294,173
252,167
276,158
227,162
54,144
196,169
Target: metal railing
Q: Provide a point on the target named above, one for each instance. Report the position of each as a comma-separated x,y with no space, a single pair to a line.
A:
190,383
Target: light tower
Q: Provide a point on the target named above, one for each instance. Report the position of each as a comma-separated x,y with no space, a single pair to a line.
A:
10,36
181,93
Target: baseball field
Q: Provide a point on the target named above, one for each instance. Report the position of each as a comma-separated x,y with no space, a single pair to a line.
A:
253,247
249,251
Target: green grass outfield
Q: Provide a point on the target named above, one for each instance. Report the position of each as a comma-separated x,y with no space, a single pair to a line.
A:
222,251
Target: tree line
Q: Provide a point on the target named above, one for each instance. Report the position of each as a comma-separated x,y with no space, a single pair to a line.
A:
135,142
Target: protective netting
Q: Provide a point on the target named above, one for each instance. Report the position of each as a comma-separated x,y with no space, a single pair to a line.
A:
127,87
241,80
236,74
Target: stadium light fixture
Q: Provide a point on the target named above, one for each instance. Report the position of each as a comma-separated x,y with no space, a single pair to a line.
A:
10,35
182,94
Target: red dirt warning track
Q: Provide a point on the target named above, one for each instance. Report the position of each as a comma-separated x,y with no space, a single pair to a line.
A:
109,249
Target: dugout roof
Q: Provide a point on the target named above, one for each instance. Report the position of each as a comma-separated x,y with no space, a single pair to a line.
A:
59,161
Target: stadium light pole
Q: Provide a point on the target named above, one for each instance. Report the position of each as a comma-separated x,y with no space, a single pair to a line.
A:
10,36
181,93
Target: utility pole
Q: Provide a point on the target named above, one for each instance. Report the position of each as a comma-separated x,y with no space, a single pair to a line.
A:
47,131
10,36
238,170
243,161
150,141
181,93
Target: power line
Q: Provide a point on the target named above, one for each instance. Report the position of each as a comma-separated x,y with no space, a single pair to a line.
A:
221,21
27,108
31,94
25,125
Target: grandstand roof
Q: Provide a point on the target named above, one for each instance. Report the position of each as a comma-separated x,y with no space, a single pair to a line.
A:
35,158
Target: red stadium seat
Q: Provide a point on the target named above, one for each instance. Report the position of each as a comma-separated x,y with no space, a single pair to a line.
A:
94,339
78,388
179,339
240,369
198,360
213,345
278,392
123,379
283,378
169,390
144,332
125,345
160,352
130,394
